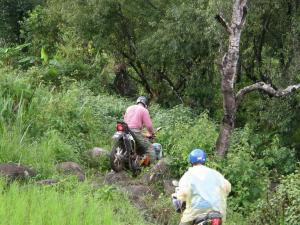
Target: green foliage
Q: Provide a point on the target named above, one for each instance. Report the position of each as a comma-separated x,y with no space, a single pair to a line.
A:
175,49
10,56
282,205
62,52
280,160
247,174
12,12
162,43
107,193
41,30
183,134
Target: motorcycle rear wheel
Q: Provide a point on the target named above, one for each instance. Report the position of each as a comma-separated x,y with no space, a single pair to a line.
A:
117,157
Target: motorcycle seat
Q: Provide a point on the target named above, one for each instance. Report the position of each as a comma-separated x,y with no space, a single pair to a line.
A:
210,215
201,218
214,214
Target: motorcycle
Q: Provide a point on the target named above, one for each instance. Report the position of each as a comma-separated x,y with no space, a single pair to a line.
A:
125,153
210,218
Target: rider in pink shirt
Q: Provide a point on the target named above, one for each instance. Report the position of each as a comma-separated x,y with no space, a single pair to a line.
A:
137,116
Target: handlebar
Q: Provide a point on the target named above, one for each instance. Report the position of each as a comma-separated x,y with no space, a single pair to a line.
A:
147,135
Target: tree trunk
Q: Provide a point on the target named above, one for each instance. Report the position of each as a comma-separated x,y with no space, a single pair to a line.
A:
231,101
224,135
122,82
229,70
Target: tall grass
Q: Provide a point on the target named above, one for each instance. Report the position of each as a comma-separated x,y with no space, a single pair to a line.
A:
32,205
41,126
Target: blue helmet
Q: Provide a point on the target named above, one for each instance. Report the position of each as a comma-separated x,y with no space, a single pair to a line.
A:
197,156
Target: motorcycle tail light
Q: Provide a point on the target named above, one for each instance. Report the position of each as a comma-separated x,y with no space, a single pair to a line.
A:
120,127
216,221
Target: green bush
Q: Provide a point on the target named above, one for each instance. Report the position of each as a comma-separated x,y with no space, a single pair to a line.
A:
42,30
281,160
247,174
282,205
181,134
14,56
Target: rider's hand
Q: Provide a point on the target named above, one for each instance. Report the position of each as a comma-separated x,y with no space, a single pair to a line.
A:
149,135
174,195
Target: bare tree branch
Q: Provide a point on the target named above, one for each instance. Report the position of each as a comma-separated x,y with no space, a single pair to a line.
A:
136,65
171,84
267,88
224,23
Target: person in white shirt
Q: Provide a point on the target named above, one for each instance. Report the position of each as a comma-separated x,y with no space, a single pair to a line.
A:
202,189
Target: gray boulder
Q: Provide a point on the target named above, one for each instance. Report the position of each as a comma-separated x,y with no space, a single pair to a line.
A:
168,187
158,172
117,178
96,156
16,172
136,192
140,195
71,168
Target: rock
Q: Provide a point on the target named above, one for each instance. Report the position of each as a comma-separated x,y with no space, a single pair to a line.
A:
71,168
94,156
96,152
157,172
168,187
47,182
136,192
16,172
140,195
117,178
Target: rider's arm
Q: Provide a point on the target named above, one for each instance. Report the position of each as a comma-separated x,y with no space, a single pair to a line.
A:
147,121
183,188
226,186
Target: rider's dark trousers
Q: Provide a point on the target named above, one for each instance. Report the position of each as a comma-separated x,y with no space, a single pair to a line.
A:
143,144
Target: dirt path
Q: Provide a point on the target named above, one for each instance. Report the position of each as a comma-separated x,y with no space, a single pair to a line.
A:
149,192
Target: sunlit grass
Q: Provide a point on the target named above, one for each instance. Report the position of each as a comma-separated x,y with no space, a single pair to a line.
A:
75,204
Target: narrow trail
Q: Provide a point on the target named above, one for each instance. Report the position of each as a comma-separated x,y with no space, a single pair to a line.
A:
149,192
